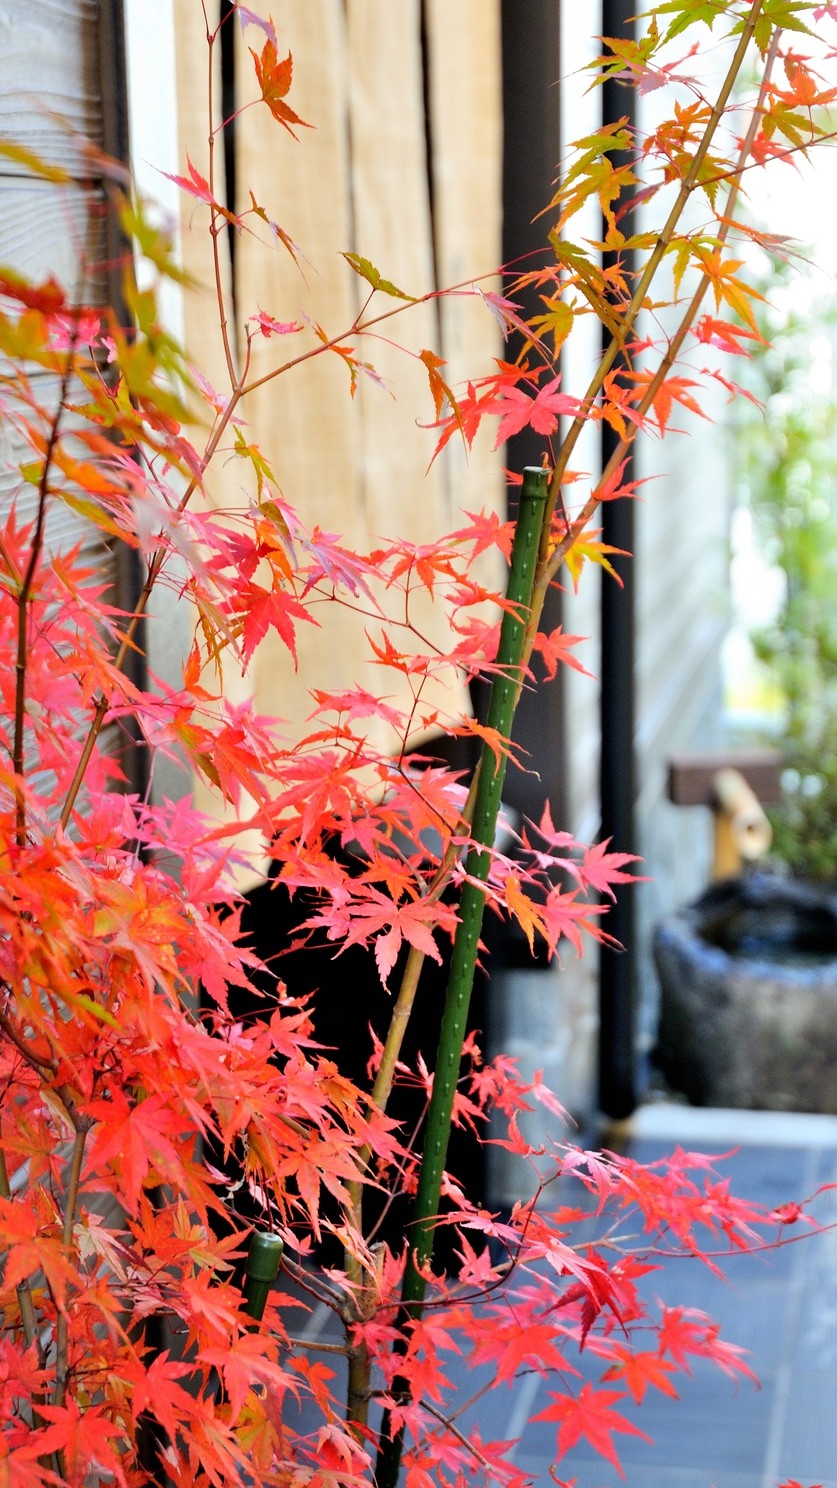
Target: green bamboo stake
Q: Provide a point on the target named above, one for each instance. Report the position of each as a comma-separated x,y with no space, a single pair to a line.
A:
263,1258
504,694
264,1255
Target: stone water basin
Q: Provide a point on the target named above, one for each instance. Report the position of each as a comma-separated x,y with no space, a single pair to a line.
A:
748,1014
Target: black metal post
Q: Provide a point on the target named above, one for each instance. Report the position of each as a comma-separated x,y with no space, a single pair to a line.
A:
531,36
129,568
617,969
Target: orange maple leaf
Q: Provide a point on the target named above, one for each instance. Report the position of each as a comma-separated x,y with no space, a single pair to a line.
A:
529,917
274,79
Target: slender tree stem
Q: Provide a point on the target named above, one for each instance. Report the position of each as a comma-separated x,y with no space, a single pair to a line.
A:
28,1317
358,1393
25,594
62,1337
504,694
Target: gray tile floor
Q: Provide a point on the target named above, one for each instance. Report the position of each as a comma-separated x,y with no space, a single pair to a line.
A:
782,1307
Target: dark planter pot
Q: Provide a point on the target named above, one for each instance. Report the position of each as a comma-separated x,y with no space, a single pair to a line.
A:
748,1015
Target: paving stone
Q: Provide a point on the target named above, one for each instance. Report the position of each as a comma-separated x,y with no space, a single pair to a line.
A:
809,1438
589,1473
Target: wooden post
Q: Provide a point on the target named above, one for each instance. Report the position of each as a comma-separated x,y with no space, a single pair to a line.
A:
742,832
733,785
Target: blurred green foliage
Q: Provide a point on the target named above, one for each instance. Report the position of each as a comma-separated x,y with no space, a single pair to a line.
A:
786,453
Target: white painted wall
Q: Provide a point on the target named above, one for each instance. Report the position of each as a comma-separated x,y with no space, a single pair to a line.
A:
152,120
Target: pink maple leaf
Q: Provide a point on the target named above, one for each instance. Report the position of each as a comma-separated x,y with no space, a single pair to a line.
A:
541,412
270,327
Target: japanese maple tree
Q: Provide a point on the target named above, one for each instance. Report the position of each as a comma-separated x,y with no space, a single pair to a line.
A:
128,1084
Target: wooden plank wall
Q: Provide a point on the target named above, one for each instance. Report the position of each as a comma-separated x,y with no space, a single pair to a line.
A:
403,165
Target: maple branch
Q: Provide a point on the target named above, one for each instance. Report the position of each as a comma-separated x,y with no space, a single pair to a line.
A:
786,152
753,1248
323,1348
359,328
41,1067
359,1377
25,593
687,186
22,1046
573,533
450,1425
62,1335
154,567
315,1286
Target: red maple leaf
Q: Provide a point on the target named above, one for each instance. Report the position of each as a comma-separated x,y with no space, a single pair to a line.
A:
194,183
197,186
47,297
515,1342
687,1330
639,1370
486,531
272,608
590,1415
156,1388
438,387
83,1437
613,490
723,334
131,1138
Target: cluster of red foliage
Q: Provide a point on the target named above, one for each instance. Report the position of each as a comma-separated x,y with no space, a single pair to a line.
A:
115,909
